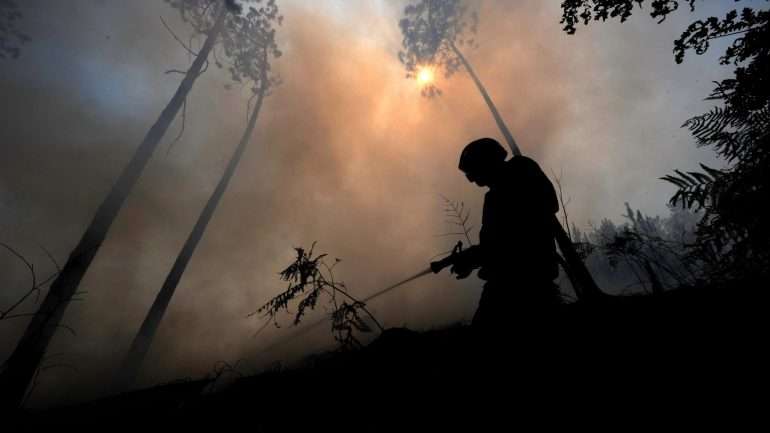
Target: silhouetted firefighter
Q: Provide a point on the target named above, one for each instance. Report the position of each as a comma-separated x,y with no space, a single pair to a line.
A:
516,250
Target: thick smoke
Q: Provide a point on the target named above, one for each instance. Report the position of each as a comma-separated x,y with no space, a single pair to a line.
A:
346,153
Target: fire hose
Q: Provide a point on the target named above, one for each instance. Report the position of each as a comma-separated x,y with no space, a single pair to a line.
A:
435,267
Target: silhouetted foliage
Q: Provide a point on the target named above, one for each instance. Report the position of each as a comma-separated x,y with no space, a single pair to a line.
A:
733,236
652,253
432,30
309,278
575,11
645,244
247,40
458,217
10,35
251,45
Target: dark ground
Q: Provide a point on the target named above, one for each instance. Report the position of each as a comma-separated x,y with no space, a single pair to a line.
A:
689,352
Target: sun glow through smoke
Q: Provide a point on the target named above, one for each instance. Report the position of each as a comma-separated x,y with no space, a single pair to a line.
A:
425,76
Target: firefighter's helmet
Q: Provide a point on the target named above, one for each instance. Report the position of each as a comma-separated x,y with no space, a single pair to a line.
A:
480,154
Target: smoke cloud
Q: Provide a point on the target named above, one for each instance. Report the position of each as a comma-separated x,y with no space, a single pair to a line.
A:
346,153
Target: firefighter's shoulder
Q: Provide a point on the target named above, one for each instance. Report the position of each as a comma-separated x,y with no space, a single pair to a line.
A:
523,163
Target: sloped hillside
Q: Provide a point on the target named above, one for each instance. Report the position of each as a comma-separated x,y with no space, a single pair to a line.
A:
649,352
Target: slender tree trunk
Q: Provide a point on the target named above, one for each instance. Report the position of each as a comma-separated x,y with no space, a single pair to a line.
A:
498,119
19,369
582,281
141,344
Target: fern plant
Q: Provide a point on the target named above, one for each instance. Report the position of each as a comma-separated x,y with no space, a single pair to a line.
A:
733,234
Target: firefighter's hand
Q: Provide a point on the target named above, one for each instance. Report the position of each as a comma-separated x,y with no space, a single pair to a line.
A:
462,270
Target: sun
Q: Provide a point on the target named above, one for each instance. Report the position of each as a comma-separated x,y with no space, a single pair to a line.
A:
425,75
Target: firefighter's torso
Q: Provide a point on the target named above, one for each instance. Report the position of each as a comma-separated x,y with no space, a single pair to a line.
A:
517,233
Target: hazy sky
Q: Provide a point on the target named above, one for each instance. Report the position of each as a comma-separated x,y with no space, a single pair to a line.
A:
346,153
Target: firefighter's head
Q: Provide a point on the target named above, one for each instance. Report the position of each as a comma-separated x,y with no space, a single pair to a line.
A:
482,160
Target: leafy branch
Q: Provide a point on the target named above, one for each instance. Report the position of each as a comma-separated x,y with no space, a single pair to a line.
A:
309,277
458,217
698,35
577,11
694,187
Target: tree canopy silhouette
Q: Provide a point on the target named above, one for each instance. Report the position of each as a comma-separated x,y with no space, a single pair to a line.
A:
575,11
10,35
432,30
733,236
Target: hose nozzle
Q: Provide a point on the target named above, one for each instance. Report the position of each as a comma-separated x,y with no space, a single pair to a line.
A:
438,265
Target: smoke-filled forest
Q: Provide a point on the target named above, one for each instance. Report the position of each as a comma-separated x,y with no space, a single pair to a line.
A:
382,215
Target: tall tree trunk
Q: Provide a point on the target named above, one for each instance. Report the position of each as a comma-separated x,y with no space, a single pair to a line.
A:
19,369
582,281
498,119
141,344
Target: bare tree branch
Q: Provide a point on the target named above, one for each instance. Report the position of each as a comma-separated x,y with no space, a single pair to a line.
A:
35,287
50,257
189,51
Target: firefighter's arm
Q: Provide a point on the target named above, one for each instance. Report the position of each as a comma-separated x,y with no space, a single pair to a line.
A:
462,262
